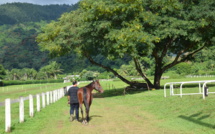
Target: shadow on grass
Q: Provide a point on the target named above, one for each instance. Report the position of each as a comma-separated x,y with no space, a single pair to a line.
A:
117,92
196,118
94,116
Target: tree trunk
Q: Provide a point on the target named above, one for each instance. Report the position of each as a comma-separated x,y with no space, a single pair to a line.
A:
55,76
157,77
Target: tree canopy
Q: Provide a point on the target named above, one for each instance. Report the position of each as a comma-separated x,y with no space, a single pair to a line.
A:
157,29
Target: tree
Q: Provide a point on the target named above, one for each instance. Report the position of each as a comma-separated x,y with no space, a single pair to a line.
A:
16,74
29,73
2,72
51,70
160,30
183,68
54,69
89,75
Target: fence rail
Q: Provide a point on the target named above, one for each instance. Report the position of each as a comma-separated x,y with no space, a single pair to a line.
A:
199,76
202,86
47,98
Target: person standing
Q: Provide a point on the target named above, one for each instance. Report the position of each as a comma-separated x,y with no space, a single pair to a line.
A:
73,101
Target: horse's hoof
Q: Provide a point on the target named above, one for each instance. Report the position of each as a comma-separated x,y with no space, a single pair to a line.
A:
84,122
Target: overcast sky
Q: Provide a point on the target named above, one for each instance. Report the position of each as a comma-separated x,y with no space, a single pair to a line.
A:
41,2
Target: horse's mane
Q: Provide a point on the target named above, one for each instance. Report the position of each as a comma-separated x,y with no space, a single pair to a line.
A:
90,84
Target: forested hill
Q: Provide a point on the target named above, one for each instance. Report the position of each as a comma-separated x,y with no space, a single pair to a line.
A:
13,13
20,23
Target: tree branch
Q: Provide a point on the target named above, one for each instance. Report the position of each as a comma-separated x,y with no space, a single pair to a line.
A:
176,61
166,47
138,68
107,68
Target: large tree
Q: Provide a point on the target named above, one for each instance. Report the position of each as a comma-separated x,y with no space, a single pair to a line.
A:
157,29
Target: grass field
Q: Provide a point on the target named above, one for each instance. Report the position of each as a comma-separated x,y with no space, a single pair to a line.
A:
145,112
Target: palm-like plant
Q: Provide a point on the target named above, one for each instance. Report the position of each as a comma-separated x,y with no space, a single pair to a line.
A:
52,69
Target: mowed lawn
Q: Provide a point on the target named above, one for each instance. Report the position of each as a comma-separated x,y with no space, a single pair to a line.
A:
145,112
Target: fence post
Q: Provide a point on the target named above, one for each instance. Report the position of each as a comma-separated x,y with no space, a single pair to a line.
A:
61,93
31,106
47,97
50,93
54,95
7,115
58,95
38,102
43,100
21,109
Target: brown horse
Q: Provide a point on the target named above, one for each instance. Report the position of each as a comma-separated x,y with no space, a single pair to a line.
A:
85,96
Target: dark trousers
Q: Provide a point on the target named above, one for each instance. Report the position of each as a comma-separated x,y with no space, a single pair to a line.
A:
74,106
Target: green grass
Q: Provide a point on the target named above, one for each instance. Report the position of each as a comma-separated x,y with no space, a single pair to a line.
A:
136,112
15,91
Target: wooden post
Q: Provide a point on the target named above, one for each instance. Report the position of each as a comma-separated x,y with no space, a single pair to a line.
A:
51,96
43,100
47,97
21,109
54,95
58,95
38,102
7,115
31,106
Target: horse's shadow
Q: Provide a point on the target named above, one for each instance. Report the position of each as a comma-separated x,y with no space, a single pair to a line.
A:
94,116
90,118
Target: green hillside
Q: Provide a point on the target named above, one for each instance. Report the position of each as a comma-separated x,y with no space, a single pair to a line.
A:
13,13
20,23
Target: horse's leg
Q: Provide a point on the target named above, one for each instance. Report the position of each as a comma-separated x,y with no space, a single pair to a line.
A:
87,112
80,106
88,108
86,104
80,100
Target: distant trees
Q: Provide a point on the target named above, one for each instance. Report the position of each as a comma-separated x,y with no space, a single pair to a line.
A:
47,72
51,70
2,72
89,75
12,13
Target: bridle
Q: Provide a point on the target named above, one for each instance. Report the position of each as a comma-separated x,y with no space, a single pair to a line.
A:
97,88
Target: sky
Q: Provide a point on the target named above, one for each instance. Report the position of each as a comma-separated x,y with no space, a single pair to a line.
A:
41,2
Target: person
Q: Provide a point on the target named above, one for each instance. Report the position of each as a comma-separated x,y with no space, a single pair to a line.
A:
73,101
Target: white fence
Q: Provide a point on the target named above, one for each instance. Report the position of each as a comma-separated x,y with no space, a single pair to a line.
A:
47,98
199,76
202,85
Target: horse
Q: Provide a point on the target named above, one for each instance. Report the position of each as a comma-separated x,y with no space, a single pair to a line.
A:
85,96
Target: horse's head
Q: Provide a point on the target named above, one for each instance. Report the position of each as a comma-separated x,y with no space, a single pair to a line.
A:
97,86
